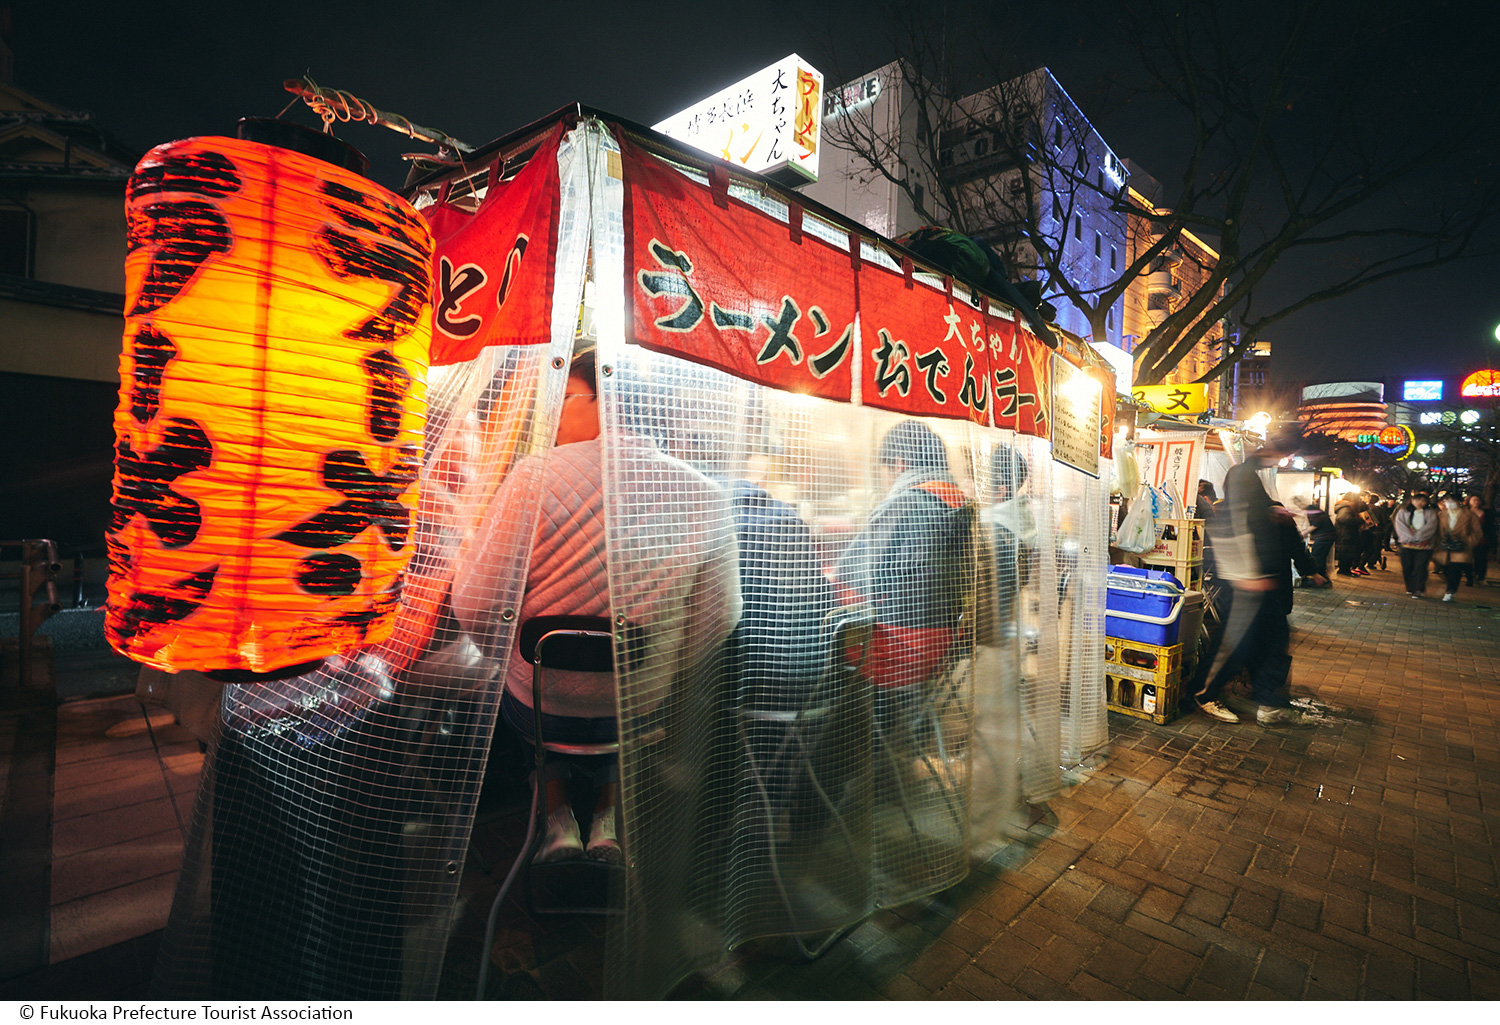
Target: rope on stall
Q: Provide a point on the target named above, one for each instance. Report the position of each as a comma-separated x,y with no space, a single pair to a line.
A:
338,105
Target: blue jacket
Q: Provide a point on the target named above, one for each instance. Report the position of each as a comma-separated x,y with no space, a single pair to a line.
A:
914,561
777,644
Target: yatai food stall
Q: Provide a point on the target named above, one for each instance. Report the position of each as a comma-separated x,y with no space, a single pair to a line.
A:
748,343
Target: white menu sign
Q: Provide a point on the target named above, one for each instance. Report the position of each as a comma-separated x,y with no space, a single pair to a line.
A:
1077,416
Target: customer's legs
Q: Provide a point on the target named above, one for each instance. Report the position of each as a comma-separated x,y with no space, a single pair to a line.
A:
1474,571
1269,662
1235,648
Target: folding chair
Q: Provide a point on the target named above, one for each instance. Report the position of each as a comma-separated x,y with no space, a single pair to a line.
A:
785,738
912,730
569,643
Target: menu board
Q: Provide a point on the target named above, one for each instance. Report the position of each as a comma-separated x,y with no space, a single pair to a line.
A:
1077,416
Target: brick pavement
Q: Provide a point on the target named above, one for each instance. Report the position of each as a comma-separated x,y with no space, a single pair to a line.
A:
1203,860
1193,860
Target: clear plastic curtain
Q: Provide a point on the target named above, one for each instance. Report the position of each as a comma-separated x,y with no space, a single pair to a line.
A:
775,778
1083,519
335,808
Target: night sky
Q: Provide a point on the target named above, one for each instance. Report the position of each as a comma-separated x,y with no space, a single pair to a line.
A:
151,73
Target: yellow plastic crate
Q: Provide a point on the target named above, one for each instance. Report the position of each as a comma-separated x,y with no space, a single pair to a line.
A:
1148,663
1156,700
1185,546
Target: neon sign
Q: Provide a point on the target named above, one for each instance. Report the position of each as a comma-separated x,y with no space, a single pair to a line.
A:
1422,391
1481,384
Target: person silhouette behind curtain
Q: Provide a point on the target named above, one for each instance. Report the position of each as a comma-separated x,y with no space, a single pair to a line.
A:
914,563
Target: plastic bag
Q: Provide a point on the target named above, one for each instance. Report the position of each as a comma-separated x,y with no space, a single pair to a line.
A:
1127,472
1173,502
1138,532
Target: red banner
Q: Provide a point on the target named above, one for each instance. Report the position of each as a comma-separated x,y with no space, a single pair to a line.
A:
922,353
723,284
718,282
492,270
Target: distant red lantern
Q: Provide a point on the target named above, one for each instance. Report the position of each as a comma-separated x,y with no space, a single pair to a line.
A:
269,431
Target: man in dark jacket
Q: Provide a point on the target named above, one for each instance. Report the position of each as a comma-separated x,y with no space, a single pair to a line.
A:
1251,549
1320,534
915,560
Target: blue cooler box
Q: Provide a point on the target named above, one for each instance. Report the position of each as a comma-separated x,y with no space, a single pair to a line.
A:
1143,605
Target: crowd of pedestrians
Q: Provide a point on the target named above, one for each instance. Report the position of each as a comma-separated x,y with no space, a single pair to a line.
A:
1257,543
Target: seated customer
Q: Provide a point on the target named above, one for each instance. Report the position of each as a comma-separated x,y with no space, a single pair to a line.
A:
1013,533
681,605
568,576
914,561
777,647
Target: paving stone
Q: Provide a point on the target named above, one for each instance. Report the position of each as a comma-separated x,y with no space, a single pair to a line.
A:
1439,982
1006,958
1206,905
1038,987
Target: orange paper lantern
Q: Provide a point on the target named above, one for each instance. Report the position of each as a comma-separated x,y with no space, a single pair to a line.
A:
269,431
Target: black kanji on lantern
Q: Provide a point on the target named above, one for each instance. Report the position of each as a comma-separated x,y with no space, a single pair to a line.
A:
146,610
370,500
181,233
389,384
330,574
144,483
151,352
376,239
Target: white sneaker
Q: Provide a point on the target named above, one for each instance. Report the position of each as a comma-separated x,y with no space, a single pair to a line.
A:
1447,597
604,844
1217,711
1271,716
562,842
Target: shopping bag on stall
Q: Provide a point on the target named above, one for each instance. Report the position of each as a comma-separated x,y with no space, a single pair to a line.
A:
1127,472
1138,532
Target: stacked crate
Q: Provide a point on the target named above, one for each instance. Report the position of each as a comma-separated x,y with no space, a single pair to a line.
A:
1182,553
1143,680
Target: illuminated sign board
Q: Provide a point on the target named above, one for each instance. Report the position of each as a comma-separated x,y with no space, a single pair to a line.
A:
1481,384
853,96
1448,417
1173,399
1397,440
768,122
1422,391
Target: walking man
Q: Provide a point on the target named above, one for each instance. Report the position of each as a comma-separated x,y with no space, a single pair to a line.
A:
1250,549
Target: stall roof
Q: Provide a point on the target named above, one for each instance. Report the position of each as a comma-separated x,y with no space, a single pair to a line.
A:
515,147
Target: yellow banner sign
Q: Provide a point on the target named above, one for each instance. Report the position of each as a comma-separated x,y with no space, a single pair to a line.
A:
1173,399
